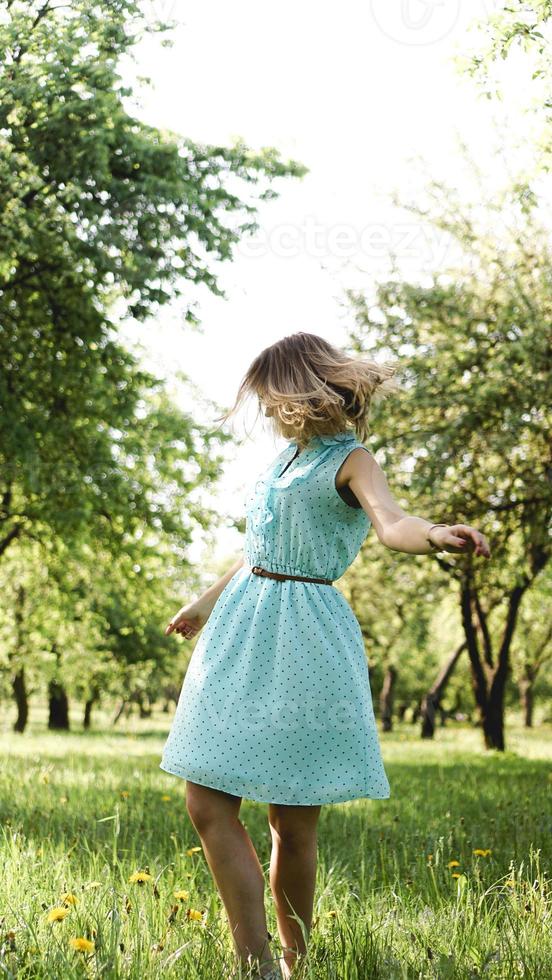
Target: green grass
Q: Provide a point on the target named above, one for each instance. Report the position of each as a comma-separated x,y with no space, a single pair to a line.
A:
382,908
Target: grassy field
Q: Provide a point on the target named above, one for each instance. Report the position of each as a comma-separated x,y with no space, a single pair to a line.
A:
82,813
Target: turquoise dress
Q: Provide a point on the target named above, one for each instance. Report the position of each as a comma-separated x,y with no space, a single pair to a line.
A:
276,703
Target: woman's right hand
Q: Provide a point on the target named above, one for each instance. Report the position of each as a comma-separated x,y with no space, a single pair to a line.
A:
188,621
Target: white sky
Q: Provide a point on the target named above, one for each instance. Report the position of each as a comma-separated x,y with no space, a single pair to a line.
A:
354,91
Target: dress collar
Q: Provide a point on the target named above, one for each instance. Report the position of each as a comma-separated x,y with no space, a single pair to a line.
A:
327,440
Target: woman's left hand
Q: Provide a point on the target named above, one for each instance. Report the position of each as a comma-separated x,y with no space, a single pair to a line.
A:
461,539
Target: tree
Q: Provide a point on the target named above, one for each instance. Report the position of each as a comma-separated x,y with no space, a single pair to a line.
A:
95,208
471,433
394,599
432,700
521,27
533,646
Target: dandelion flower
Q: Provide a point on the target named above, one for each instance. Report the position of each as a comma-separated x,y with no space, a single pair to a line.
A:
482,852
194,915
182,895
454,864
125,794
69,899
456,874
82,945
166,799
140,877
510,882
192,850
57,914
332,913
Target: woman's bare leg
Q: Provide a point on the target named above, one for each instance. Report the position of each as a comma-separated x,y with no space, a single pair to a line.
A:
234,864
293,872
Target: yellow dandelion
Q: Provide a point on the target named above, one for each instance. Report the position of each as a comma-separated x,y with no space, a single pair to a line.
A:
332,913
182,895
194,915
125,794
482,852
82,945
192,850
456,874
140,877
57,914
166,798
510,883
454,864
69,899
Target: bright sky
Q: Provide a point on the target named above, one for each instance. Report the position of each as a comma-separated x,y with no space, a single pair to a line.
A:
354,91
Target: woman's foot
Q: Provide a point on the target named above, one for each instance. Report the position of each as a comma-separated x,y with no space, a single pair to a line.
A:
270,973
267,969
273,974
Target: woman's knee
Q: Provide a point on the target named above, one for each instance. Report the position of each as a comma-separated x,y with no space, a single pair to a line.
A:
208,807
293,827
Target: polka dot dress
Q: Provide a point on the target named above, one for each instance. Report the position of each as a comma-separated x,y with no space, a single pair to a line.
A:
276,703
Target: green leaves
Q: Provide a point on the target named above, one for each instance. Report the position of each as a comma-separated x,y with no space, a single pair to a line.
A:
102,218
96,209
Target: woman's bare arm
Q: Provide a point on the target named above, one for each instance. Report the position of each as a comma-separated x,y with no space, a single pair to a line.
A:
191,617
396,529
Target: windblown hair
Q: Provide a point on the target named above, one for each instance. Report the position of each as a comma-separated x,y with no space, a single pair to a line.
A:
314,388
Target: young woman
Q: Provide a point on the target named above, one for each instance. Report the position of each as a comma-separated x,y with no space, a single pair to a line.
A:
276,703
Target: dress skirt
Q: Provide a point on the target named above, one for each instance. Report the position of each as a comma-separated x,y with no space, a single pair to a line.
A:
276,703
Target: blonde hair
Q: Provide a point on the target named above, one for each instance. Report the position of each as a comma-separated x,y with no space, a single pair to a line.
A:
314,388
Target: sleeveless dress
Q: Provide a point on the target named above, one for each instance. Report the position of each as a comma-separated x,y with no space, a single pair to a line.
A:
276,703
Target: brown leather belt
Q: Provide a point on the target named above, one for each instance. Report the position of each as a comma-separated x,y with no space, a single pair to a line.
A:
281,577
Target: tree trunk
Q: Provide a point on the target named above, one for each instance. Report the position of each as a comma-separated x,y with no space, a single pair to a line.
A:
386,699
432,701
20,694
19,686
489,676
87,713
58,718
119,713
526,697
89,704
493,724
144,708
